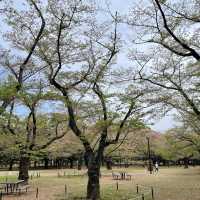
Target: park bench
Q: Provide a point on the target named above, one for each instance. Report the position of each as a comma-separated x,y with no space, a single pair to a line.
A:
2,188
121,176
116,176
10,186
128,176
22,187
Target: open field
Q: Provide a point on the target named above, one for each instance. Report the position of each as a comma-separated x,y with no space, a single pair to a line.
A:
169,184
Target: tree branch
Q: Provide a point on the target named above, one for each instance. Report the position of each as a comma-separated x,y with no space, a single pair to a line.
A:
20,77
57,137
123,122
184,45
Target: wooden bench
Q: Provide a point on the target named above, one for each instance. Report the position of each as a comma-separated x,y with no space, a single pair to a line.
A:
116,176
11,186
22,187
2,188
128,176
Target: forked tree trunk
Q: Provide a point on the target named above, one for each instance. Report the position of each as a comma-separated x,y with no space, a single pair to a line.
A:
24,165
93,186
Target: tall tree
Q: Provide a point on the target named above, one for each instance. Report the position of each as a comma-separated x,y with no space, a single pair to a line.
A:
87,87
80,52
169,62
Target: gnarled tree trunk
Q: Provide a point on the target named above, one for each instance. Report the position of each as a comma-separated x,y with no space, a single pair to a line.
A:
94,163
24,168
93,186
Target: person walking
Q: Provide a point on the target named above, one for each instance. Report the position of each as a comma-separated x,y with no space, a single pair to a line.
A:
156,167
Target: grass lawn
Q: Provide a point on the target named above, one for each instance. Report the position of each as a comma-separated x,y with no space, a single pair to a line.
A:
169,184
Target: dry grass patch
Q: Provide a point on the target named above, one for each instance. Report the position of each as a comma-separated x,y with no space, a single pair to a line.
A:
169,184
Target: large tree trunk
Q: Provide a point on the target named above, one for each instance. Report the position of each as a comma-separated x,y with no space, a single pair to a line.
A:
93,186
24,168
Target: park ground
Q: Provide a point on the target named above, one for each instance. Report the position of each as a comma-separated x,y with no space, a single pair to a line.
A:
168,184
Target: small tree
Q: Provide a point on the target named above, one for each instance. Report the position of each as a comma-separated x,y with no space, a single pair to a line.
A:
34,133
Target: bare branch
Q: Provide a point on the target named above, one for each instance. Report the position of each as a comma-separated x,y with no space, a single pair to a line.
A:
36,40
184,45
123,122
57,137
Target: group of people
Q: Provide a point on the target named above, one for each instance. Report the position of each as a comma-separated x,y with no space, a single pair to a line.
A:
153,167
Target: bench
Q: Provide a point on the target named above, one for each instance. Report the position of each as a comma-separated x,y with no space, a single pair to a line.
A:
23,187
116,176
2,188
128,176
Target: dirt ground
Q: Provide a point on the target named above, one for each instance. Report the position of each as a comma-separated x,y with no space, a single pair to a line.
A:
168,184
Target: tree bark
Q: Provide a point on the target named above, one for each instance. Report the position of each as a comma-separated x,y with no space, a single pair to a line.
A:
24,168
93,186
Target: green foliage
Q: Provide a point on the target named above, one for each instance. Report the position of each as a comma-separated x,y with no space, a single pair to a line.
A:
136,123
162,1
172,147
8,89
